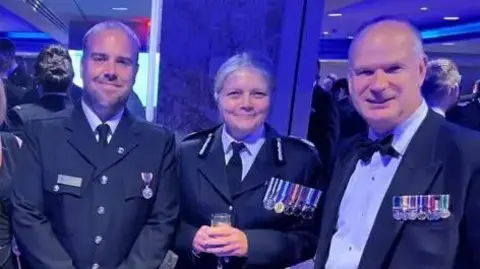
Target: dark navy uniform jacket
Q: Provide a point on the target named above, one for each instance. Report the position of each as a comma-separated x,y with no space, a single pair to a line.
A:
274,240
78,205
49,104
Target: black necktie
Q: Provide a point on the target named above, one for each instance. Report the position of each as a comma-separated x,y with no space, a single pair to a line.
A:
103,130
234,168
384,146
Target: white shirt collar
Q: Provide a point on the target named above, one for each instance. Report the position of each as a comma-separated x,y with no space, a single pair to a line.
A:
253,142
94,121
438,111
403,133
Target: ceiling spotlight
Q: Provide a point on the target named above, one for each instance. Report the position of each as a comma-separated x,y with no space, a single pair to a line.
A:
326,33
448,44
335,15
424,8
119,8
350,37
452,18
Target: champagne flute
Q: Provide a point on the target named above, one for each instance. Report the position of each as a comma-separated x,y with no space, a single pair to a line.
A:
216,220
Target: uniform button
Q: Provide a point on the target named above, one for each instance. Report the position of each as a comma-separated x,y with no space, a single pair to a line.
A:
56,188
104,180
101,210
98,239
230,208
95,266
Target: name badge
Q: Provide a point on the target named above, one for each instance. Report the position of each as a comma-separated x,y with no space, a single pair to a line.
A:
69,181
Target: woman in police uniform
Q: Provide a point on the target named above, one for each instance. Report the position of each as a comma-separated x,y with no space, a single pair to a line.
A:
269,184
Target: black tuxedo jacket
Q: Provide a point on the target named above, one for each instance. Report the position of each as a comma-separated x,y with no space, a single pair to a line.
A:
442,158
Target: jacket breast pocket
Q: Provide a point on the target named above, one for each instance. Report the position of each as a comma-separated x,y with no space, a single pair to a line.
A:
63,206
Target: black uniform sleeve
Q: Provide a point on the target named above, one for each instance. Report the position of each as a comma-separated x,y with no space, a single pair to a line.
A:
32,229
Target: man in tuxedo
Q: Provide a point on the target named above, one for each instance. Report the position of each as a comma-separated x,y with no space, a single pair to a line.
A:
406,197
96,187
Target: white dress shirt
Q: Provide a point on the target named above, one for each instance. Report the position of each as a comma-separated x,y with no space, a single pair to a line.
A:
94,121
364,195
253,144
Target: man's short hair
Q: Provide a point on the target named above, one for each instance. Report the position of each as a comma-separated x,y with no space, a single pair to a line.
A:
7,48
399,19
110,25
442,74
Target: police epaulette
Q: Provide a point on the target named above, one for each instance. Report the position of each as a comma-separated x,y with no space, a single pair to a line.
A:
278,149
196,135
302,141
206,146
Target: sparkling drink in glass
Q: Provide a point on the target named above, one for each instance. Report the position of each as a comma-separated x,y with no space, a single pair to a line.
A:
216,220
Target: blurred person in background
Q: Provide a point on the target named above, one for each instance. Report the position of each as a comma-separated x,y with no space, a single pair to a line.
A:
53,76
14,93
351,123
15,74
323,125
10,146
467,112
327,82
441,87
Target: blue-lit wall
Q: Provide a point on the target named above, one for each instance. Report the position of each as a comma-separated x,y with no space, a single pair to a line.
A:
197,36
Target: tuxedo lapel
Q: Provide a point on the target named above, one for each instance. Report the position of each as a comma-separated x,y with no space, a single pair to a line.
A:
212,167
415,176
123,141
343,170
81,136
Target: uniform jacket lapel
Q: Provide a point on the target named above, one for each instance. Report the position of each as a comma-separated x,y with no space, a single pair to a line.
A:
124,140
212,166
81,137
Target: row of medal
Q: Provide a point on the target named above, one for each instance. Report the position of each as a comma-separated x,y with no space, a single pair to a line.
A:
290,198
421,207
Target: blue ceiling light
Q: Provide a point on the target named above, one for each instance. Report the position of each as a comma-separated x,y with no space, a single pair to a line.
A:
27,35
468,28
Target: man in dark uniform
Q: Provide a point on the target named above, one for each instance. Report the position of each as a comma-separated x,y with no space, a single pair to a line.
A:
96,188
16,74
53,77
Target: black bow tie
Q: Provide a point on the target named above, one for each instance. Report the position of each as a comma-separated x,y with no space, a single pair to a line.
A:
384,146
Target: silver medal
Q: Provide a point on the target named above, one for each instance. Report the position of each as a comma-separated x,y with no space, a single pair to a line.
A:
147,192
